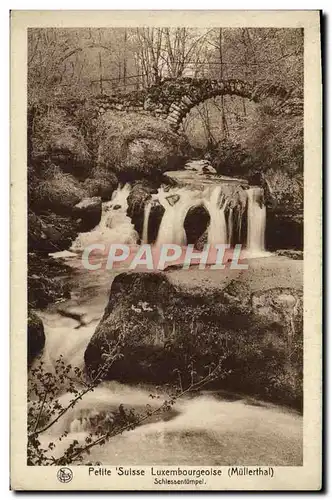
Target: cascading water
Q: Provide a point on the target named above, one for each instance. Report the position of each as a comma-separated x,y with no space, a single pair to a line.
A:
147,211
222,229
239,224
230,225
216,204
114,227
203,429
176,203
256,221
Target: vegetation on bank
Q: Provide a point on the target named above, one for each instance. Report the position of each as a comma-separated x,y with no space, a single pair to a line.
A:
271,146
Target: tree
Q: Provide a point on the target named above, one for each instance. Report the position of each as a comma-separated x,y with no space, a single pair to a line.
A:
148,51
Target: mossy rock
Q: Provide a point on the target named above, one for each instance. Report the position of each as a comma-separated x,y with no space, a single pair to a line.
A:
56,138
36,336
136,146
163,325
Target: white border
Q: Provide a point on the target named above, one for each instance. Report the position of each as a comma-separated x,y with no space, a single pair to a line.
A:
96,4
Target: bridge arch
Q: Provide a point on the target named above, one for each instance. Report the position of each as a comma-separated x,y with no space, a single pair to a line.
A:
173,99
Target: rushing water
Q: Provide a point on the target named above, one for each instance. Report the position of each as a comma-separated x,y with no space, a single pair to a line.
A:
216,204
256,221
212,192
114,227
207,429
147,211
176,203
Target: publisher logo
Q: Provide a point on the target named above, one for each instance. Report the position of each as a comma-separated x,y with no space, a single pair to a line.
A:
65,475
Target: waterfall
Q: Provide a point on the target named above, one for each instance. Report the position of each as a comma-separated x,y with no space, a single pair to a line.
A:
114,226
217,231
230,225
147,211
176,203
256,220
239,223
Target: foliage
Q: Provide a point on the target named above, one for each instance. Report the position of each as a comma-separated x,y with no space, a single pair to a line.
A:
229,158
274,141
287,192
76,62
55,137
46,409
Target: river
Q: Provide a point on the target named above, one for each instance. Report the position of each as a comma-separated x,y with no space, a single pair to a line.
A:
205,429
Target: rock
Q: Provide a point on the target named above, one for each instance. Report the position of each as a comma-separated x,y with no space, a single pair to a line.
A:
56,137
47,280
36,336
140,195
50,233
89,212
134,317
172,199
196,223
291,254
55,191
278,304
283,231
136,146
202,241
102,184
166,322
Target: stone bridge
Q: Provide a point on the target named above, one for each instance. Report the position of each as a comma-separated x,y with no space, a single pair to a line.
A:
172,99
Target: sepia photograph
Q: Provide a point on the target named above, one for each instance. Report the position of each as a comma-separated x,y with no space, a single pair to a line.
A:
165,243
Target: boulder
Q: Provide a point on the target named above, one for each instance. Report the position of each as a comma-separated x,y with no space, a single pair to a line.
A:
50,233
36,336
88,212
196,223
166,323
139,196
55,137
47,280
136,146
291,254
102,183
134,318
284,230
55,191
